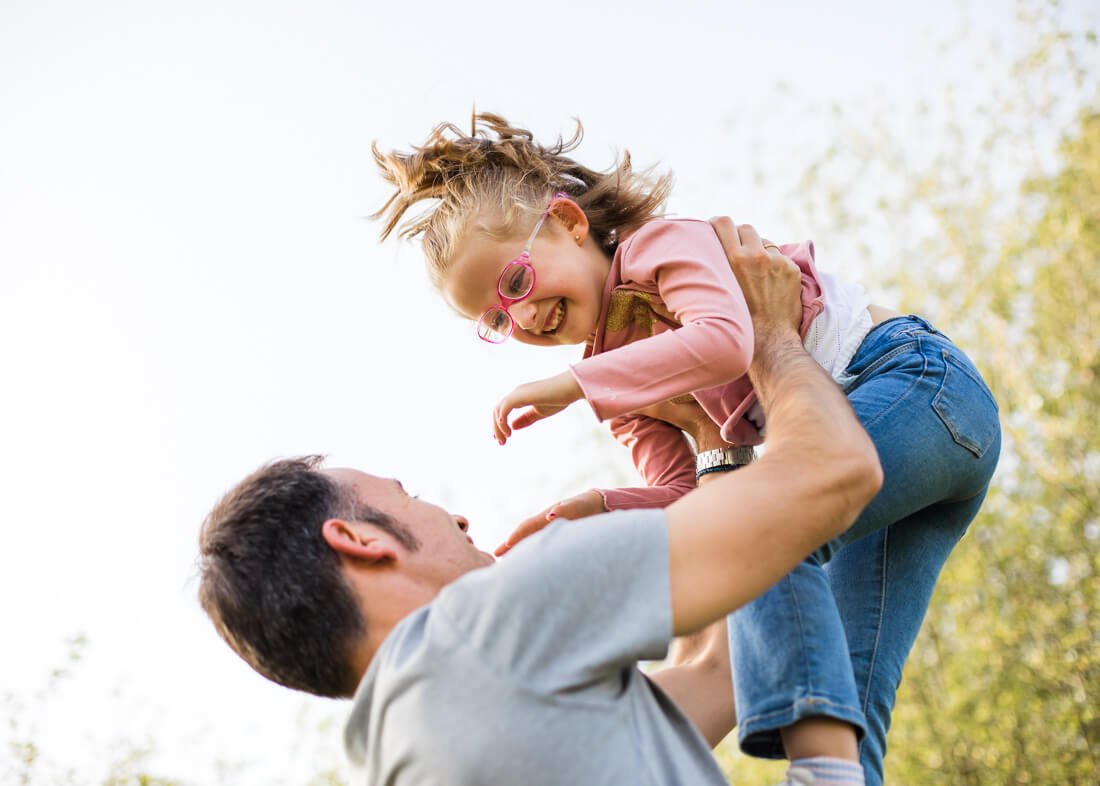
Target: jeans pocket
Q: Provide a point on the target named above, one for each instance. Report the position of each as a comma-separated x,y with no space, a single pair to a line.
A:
966,406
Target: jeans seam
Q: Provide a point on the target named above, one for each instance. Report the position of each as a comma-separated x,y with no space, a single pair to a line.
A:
801,634
767,716
878,632
908,390
859,378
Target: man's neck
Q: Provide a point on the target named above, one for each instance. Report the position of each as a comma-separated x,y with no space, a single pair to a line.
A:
384,605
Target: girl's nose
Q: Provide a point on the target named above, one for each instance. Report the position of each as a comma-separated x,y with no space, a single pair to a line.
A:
524,314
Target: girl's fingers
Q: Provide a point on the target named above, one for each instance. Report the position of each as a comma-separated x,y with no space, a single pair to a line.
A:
527,418
568,510
588,503
500,424
526,528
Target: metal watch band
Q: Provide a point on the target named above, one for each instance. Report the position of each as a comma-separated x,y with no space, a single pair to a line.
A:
724,457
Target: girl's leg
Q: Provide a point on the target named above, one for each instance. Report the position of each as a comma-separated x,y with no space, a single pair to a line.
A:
883,584
935,427
790,661
701,684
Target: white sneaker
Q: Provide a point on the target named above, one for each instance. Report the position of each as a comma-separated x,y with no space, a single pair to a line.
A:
798,776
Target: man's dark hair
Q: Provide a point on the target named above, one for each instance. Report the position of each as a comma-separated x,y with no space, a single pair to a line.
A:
271,584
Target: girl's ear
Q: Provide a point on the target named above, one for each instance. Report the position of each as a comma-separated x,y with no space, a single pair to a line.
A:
571,216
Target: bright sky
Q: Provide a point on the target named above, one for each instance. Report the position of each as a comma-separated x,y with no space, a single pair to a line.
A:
188,288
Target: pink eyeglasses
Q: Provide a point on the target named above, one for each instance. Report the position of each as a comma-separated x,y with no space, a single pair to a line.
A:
516,282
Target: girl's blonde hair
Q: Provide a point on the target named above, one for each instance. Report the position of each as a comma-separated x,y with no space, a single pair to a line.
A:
497,175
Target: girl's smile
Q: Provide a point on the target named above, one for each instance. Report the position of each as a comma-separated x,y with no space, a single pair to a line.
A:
570,271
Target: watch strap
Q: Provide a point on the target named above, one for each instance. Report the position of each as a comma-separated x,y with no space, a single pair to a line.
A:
724,457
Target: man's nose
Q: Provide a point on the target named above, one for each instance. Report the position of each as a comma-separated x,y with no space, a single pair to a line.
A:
463,523
524,313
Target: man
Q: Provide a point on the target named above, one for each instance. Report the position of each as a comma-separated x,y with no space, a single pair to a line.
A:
337,582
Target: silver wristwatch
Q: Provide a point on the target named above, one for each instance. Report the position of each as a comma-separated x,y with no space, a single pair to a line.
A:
722,458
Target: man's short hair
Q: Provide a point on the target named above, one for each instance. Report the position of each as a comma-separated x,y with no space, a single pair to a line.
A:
274,588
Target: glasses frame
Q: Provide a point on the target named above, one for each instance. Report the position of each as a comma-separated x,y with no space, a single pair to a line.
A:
524,261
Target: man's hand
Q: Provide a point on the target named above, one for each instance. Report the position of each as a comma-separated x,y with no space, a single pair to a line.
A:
731,541
773,291
545,398
588,503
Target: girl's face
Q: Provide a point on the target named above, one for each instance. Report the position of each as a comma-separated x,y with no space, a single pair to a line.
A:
570,271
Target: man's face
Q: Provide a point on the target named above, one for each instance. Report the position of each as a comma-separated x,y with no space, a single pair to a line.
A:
446,551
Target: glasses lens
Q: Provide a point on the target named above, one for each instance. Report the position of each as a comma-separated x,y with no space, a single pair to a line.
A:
495,326
516,281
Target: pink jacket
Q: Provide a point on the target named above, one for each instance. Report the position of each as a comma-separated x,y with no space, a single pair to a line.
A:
675,316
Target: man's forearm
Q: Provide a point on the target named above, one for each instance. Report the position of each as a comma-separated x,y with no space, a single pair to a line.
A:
811,421
735,538
798,398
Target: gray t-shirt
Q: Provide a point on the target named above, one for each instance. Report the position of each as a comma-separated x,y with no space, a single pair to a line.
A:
525,673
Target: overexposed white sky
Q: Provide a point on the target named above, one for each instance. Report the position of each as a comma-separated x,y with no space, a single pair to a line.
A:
188,288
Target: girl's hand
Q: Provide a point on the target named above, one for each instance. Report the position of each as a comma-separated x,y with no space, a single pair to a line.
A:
545,398
588,503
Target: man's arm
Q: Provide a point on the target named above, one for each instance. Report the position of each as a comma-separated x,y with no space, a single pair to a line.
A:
733,539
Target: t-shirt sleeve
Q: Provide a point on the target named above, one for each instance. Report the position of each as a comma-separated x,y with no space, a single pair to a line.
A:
571,606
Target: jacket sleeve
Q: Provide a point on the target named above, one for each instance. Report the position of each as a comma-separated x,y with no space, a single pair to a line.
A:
663,457
685,263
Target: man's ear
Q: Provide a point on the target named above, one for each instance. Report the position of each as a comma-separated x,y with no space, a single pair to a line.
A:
359,541
571,216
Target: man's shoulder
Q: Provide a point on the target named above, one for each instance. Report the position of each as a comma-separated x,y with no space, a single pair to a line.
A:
547,639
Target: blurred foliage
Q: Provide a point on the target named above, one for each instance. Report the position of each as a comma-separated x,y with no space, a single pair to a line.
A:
25,761
984,209
33,754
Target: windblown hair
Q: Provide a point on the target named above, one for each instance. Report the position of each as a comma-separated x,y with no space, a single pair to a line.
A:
497,176
271,584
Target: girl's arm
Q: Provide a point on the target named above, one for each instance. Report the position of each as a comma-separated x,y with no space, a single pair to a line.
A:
663,457
661,454
685,263
659,450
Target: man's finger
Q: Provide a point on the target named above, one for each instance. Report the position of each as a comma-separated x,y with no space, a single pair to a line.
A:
727,233
747,234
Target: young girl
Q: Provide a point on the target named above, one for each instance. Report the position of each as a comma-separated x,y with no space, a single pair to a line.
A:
532,245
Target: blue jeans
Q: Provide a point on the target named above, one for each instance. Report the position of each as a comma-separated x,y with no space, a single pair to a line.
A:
830,639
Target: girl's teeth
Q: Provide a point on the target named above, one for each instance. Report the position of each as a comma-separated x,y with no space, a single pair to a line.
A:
559,312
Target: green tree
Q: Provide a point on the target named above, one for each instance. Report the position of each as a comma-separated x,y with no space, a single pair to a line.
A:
979,207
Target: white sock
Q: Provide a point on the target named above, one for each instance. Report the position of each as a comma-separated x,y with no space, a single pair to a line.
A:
828,771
